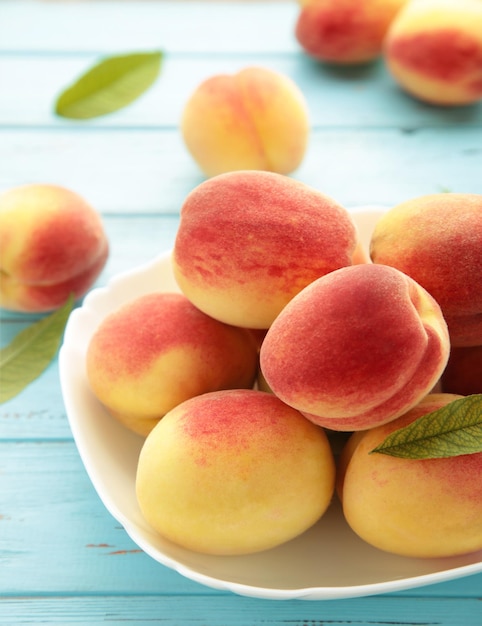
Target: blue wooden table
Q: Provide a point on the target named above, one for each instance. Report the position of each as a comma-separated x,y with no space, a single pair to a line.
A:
63,558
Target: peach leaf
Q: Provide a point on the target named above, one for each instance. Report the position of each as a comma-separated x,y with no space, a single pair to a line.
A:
453,430
31,351
111,84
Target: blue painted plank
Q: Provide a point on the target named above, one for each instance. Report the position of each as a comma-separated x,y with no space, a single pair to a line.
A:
56,536
362,97
219,611
63,559
187,27
150,171
38,413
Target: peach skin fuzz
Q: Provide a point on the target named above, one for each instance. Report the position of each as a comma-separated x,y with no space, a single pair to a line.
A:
437,240
248,241
158,351
420,508
356,348
234,472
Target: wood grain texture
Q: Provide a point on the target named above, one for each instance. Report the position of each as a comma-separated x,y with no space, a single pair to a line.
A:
185,27
135,171
350,97
222,610
63,558
369,142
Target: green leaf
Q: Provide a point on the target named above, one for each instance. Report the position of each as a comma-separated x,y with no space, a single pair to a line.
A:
452,430
110,85
31,351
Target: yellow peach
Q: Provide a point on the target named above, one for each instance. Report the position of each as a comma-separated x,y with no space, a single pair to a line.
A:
356,348
412,507
254,119
437,240
433,49
52,245
248,241
159,350
234,472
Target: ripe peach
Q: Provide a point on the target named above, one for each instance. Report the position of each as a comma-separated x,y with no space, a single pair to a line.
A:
52,244
463,374
254,119
416,508
234,472
433,49
356,348
248,241
345,31
437,240
159,350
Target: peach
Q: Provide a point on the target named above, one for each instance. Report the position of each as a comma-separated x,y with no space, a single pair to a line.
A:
248,241
437,240
433,50
417,508
159,350
234,472
345,31
356,348
254,119
463,374
52,244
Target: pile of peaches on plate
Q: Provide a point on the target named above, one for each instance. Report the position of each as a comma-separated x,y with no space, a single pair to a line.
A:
282,331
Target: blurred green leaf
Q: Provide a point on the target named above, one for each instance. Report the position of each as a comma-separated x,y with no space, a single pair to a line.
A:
110,85
31,351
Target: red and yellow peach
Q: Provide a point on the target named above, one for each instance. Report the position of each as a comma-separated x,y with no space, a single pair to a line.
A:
356,348
253,119
412,507
437,240
52,245
433,49
345,31
159,350
248,241
234,472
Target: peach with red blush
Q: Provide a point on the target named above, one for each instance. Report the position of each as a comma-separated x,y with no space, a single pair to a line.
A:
345,31
253,119
433,50
356,348
52,244
423,508
248,241
234,472
159,350
437,240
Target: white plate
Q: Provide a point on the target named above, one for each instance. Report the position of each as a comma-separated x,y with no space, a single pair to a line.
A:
328,561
